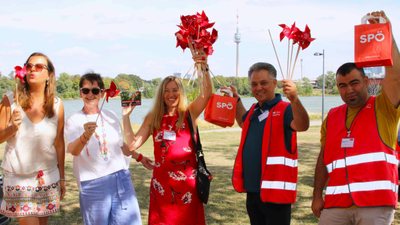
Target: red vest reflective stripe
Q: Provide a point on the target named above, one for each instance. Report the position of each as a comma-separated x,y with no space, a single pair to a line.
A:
366,174
279,167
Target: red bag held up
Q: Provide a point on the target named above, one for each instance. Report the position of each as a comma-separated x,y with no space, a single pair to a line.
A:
373,44
221,110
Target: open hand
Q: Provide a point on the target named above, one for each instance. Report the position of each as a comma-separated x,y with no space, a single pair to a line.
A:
127,110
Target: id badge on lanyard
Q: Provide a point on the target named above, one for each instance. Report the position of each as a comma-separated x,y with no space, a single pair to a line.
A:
347,142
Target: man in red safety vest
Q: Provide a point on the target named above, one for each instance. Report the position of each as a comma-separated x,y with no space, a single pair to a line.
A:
358,161
266,164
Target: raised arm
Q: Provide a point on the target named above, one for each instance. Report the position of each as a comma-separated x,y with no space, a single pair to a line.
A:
136,140
301,121
391,82
200,103
7,129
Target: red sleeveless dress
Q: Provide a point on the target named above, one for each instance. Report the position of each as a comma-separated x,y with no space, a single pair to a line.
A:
173,195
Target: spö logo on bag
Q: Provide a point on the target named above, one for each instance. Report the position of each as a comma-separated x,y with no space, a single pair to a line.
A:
223,105
366,38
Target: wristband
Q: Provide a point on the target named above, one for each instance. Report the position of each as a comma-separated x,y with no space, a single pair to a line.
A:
139,158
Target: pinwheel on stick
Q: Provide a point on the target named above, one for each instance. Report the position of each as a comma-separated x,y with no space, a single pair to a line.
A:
110,93
20,73
294,36
194,34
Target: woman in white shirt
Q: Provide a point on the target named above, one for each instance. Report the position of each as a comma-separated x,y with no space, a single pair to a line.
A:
33,162
94,138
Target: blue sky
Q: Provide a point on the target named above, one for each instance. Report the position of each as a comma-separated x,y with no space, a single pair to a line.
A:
137,37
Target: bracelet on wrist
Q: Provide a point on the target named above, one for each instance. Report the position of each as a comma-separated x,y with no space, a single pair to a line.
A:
139,158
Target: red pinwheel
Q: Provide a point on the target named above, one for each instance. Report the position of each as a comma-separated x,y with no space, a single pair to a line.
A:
20,73
305,38
288,31
112,91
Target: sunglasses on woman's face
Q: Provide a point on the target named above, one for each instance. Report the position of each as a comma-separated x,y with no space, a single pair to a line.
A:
94,91
38,67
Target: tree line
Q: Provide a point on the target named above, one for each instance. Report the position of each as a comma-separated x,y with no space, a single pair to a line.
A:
68,85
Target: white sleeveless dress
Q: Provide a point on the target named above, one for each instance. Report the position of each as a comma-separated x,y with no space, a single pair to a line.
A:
30,168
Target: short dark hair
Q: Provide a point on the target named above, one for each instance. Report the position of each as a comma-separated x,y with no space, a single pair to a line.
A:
347,68
262,66
92,77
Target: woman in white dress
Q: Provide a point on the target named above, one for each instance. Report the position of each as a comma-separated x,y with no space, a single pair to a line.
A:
33,162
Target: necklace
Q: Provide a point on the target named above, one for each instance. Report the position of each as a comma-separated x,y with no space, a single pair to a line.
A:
101,140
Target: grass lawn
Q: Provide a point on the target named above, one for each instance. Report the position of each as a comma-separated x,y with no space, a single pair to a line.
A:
225,205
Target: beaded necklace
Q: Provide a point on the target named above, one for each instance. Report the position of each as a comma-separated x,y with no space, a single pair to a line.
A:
100,140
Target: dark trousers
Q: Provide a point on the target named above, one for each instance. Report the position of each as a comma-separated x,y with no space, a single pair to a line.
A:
265,213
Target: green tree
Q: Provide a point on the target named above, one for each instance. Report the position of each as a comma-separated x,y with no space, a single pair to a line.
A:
67,86
6,84
304,87
330,82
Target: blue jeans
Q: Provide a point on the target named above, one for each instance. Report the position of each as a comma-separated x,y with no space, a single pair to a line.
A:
109,200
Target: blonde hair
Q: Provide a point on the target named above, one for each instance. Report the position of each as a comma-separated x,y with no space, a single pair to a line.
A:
24,95
159,108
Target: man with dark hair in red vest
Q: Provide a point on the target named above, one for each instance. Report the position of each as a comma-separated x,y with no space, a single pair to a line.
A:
357,164
266,164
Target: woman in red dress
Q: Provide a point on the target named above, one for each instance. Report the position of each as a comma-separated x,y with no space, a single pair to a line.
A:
173,195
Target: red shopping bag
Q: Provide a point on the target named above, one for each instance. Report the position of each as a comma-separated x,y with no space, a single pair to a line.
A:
221,110
373,44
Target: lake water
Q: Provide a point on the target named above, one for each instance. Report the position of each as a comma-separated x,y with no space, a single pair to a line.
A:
311,103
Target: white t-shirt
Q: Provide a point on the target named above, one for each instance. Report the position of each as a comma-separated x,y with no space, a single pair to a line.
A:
91,163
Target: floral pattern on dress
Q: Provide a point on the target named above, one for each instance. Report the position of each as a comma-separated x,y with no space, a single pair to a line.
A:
23,201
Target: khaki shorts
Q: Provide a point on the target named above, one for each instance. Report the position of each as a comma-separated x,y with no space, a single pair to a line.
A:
357,216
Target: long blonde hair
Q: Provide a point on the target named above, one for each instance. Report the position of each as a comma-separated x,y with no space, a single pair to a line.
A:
159,108
24,94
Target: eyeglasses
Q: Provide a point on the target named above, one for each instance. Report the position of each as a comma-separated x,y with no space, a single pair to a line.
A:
38,67
86,91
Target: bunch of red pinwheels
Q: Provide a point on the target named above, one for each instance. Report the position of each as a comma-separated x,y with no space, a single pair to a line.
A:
294,36
193,34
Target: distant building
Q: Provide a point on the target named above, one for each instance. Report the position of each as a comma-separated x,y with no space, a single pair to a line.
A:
314,84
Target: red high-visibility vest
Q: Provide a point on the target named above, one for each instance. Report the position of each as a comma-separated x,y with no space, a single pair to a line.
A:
364,174
279,167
